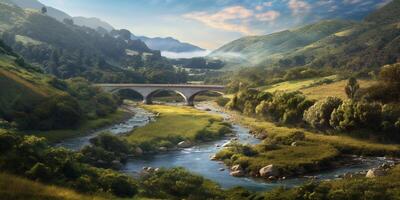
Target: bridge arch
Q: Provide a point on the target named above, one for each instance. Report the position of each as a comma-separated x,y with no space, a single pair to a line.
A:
149,98
193,96
129,93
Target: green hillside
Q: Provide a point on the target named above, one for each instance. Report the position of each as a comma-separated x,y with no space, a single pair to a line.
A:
324,44
19,85
67,50
16,188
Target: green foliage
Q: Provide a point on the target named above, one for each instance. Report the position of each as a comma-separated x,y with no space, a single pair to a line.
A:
177,183
319,114
94,102
57,112
279,106
32,157
106,151
351,88
385,187
222,101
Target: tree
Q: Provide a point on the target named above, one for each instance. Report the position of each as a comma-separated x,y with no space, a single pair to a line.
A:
44,10
319,114
352,88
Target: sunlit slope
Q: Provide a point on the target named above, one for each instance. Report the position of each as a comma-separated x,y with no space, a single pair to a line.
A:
258,49
316,88
15,188
340,44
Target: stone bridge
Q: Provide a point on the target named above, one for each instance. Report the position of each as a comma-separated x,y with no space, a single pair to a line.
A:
188,92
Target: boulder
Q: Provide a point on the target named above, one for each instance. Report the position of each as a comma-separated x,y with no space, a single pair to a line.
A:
261,136
117,164
184,144
227,144
372,173
269,171
214,157
294,144
236,168
221,169
238,173
138,151
162,149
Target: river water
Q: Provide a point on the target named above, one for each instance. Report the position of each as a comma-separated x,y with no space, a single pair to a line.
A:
197,159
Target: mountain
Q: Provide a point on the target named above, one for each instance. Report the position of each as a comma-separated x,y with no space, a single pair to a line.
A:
168,44
257,49
93,23
36,5
331,43
59,15
67,50
161,44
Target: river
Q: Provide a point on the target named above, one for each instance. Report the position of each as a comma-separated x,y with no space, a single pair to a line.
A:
197,159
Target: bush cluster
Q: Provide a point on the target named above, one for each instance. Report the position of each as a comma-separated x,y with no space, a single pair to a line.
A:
279,106
32,157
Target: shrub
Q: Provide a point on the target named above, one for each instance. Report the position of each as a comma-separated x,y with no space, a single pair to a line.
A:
119,185
342,118
39,172
177,183
319,114
221,101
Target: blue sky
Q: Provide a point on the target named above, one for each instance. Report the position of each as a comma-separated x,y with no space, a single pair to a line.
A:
212,23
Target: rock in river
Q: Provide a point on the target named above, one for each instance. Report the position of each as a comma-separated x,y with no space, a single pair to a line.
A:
236,168
372,173
238,173
184,144
138,151
269,171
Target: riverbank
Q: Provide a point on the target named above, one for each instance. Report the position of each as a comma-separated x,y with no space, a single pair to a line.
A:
177,126
85,129
290,152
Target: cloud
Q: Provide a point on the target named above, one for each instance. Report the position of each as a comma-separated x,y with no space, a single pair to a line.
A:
264,5
299,6
268,16
230,19
235,18
352,1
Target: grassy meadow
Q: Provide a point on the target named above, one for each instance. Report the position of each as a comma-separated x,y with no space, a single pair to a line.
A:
177,123
344,143
312,151
314,88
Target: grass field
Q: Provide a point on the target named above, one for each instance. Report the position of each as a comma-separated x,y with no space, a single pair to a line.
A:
86,128
314,152
16,188
177,123
334,89
296,84
343,143
312,90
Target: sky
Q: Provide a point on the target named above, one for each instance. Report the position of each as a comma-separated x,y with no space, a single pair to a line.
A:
212,23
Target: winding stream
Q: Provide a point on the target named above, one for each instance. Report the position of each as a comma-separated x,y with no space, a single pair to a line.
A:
197,158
